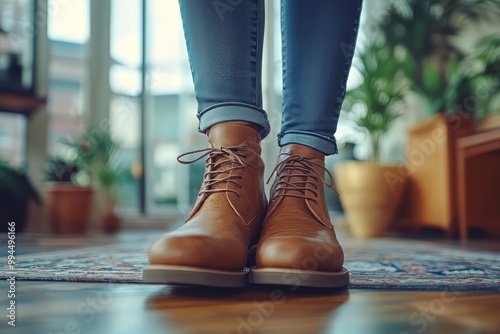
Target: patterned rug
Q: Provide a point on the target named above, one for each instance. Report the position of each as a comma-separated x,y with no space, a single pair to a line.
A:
374,264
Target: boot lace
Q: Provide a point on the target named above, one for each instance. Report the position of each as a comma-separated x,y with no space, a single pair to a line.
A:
300,168
219,164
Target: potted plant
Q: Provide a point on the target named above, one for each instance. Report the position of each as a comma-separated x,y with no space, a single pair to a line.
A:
421,32
84,179
368,196
483,69
108,177
69,197
96,150
16,191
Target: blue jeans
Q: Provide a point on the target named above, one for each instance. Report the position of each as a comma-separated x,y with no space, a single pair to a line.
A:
224,40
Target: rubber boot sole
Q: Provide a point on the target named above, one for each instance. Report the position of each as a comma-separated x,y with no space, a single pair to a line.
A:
182,275
296,277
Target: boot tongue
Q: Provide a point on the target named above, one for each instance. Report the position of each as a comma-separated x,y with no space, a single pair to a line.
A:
299,178
226,165
318,210
301,150
232,134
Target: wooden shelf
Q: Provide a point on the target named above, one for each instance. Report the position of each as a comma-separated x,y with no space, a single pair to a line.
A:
18,103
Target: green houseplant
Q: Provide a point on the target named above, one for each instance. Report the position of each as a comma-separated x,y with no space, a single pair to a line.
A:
482,69
368,199
108,177
83,180
96,150
16,190
421,33
377,101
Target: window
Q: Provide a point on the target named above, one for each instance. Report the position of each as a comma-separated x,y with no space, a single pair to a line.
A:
16,46
152,108
170,109
68,32
13,139
125,115
165,106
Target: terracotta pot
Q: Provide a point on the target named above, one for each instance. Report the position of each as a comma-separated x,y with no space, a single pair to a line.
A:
111,222
370,194
69,208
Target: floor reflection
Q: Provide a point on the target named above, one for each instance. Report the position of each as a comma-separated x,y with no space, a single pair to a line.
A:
257,309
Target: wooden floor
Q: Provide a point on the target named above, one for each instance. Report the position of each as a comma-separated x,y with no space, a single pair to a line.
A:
52,307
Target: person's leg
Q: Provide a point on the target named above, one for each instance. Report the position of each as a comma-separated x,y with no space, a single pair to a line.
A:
224,40
318,45
298,237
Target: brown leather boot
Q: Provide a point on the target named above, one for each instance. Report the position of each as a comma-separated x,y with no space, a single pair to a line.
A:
211,247
298,245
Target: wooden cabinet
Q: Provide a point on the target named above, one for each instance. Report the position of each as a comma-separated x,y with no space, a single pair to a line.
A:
431,159
478,183
454,171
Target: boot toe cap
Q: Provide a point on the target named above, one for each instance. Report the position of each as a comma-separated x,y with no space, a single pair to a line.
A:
299,253
197,251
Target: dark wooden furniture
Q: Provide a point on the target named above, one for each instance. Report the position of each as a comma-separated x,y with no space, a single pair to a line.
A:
478,182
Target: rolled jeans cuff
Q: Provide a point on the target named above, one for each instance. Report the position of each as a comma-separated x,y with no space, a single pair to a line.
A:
322,143
233,111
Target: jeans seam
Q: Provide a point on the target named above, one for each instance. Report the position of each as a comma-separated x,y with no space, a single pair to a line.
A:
257,22
283,53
